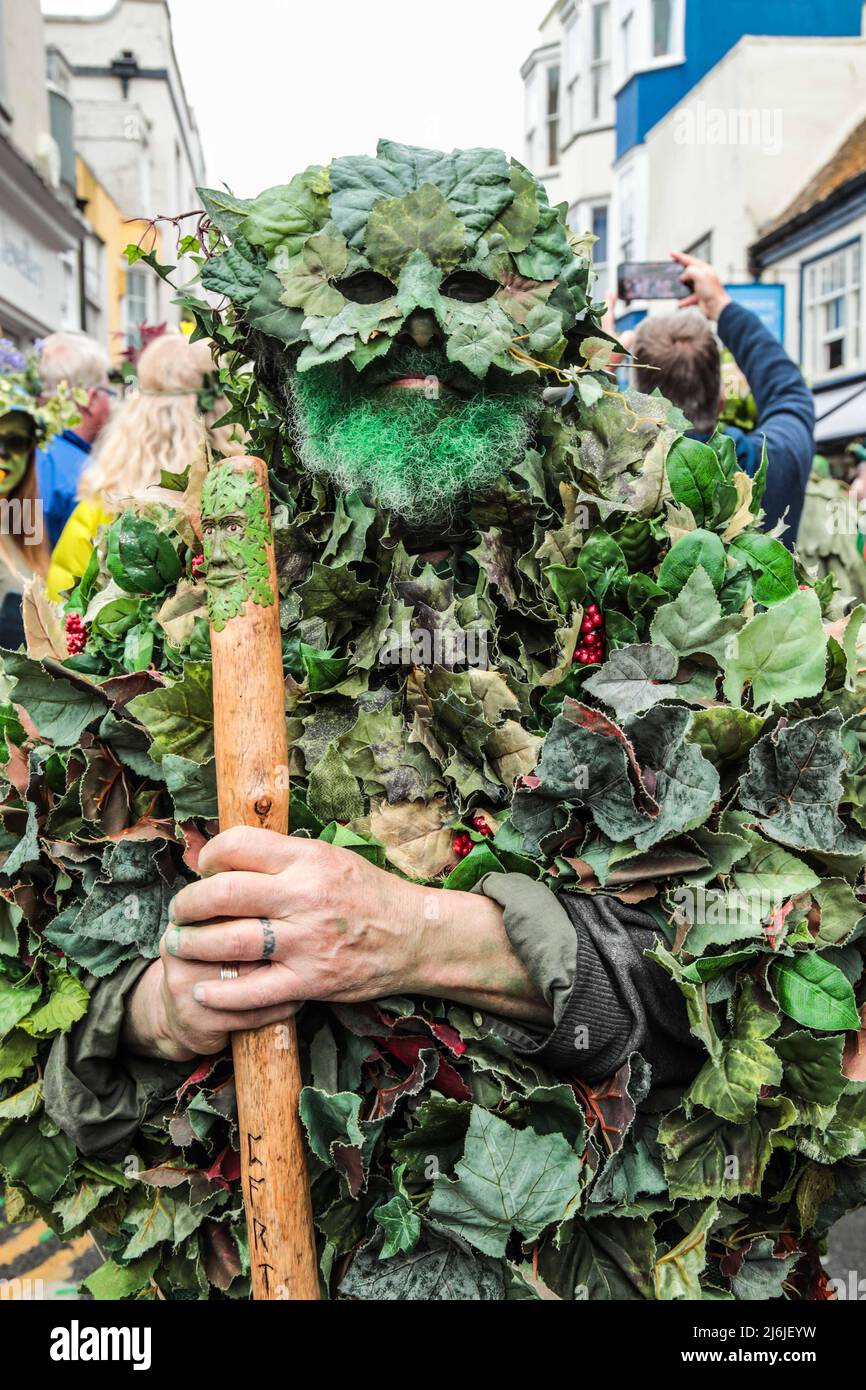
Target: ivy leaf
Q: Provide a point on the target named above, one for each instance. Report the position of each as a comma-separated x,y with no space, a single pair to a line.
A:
633,679
683,783
287,214
507,1179
225,210
419,221
476,183
781,653
234,276
357,182
693,621
402,1226
814,992
307,279
477,335
794,785
548,251
269,315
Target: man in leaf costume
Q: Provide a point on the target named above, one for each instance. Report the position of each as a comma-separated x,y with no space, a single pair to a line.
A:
574,885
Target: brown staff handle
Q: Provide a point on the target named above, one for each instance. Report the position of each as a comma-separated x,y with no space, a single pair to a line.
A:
253,789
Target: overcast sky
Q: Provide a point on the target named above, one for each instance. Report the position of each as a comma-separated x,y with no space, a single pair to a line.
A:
278,84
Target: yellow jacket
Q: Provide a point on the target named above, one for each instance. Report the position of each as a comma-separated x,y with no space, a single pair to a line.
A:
73,550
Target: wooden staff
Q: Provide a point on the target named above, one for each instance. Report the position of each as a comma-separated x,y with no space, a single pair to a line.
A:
252,788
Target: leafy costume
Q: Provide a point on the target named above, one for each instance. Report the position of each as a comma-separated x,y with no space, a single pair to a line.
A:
686,772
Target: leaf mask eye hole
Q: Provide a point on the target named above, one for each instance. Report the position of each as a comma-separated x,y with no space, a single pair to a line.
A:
468,286
367,287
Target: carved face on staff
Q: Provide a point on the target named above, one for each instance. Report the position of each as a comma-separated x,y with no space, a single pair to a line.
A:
235,535
401,304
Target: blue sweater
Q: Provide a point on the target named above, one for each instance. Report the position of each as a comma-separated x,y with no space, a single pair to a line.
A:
58,470
786,417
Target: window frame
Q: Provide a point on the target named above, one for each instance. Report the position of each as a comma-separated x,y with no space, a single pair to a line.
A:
813,339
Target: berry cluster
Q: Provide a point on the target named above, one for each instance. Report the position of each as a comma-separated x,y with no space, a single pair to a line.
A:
76,634
197,562
461,844
591,649
482,826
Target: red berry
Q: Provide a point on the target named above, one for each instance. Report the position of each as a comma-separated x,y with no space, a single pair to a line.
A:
592,609
197,562
583,657
481,824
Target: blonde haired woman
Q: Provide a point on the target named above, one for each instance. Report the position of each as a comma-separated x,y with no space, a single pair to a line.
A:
159,429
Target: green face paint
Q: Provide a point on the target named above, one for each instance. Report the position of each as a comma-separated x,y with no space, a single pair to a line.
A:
418,447
235,535
16,451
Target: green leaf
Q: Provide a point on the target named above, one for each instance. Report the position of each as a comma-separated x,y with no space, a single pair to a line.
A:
477,335
192,787
17,1052
602,562
794,786
724,735
708,1156
475,182
731,1084
678,1270
402,1226
699,547
695,476
16,1001
507,1179
113,1281
771,561
307,279
60,708
814,992
813,1066
141,559
39,1161
781,653
287,214
418,221
633,679
68,1002
233,275
693,621
179,717
438,1269
225,210
125,913
479,861
333,793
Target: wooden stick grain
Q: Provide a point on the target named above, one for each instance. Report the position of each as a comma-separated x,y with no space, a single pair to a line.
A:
252,789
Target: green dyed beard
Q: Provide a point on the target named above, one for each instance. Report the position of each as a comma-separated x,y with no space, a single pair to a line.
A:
406,453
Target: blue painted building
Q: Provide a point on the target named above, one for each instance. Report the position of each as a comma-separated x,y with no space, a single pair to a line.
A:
680,41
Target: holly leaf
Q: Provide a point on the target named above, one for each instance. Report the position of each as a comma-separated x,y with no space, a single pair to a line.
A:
781,653
507,1180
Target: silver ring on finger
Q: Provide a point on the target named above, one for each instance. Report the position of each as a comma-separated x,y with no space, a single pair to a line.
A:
229,972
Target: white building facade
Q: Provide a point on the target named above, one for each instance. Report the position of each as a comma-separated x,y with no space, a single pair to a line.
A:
134,125
41,233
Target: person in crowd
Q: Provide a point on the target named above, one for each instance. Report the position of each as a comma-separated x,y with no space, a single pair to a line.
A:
81,364
678,354
162,428
24,548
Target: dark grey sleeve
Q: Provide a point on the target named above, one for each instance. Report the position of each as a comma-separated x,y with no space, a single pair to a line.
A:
585,953
94,1091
